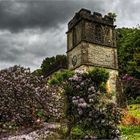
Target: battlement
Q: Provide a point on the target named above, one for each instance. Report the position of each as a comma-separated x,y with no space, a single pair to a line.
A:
93,17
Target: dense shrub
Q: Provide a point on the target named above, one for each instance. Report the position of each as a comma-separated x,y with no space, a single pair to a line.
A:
134,101
100,77
77,133
131,87
60,77
89,108
24,97
37,72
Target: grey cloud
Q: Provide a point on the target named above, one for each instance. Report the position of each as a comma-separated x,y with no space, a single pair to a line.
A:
8,53
30,47
18,15
127,12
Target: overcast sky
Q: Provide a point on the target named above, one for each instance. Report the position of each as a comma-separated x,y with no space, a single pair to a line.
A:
33,30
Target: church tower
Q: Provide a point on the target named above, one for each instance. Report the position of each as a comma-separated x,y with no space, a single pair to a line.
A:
91,42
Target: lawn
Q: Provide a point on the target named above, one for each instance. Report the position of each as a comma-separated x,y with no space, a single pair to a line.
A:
134,109
132,132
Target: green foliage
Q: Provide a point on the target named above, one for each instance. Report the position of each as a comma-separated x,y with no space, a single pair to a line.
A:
131,132
37,72
53,81
60,77
40,113
112,15
77,133
134,109
100,77
137,100
128,44
51,63
134,101
46,63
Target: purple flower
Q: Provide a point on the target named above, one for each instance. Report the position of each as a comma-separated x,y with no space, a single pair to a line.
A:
82,105
77,86
81,100
75,102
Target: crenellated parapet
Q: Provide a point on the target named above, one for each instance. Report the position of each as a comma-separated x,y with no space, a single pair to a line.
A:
94,17
92,28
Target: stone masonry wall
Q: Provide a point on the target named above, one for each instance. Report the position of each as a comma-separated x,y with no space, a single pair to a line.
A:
102,56
75,52
111,83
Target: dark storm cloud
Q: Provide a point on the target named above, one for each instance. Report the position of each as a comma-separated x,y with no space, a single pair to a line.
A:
18,15
30,46
8,49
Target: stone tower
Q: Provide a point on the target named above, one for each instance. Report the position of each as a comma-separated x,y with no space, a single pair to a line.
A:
91,42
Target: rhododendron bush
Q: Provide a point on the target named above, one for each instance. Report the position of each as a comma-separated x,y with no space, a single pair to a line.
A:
90,109
24,98
131,86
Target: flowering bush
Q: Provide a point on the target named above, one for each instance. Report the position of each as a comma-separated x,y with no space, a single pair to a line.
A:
131,86
87,108
25,98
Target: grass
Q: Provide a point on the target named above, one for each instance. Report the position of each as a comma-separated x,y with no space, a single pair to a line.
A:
134,109
132,132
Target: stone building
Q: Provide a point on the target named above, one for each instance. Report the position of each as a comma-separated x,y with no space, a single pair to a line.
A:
91,42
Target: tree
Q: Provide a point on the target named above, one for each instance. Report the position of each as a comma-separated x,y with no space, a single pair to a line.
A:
112,15
128,44
53,63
